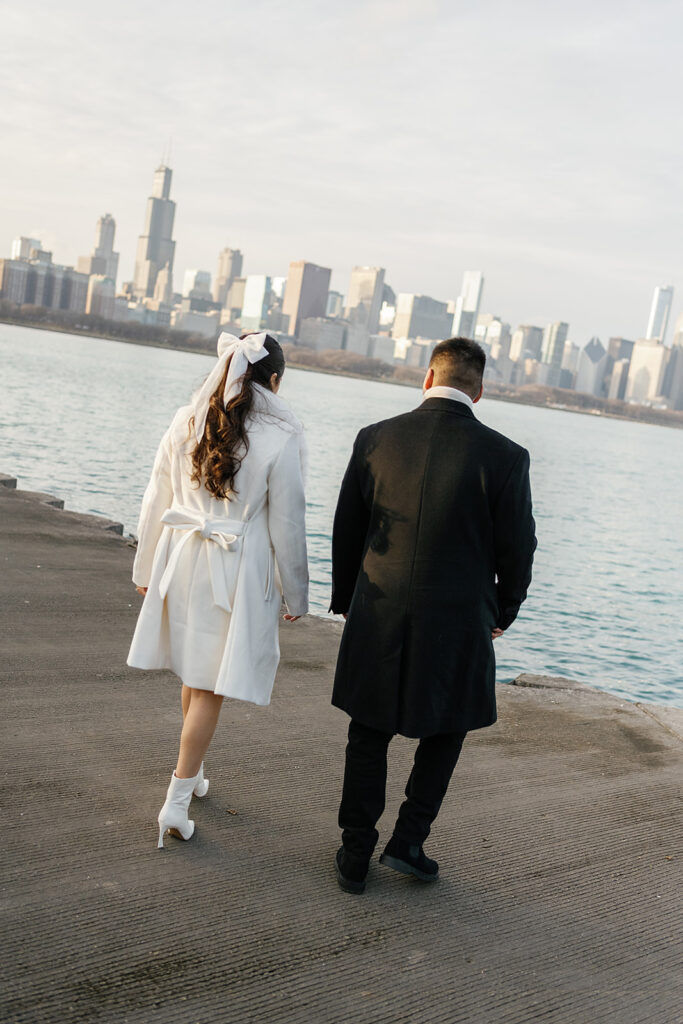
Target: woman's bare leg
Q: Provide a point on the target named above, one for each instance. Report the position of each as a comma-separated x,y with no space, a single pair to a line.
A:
198,728
185,697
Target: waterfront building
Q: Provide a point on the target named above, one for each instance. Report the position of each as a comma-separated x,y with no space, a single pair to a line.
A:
592,365
102,261
616,388
229,267
335,305
672,385
357,338
678,332
235,299
185,319
13,278
419,352
646,372
659,312
498,339
467,304
366,291
156,248
552,352
530,371
197,282
570,357
163,289
277,287
387,315
322,333
619,348
381,346
305,294
101,295
40,282
552,346
526,343
484,321
419,316
255,302
618,351
22,247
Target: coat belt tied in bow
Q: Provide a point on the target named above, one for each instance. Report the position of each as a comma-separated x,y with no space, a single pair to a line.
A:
225,534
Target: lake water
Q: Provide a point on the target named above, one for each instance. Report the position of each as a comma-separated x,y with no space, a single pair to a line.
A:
81,418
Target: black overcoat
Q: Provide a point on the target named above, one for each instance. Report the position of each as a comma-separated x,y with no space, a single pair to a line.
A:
432,548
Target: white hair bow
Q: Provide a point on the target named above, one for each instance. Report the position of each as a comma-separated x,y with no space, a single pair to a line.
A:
243,351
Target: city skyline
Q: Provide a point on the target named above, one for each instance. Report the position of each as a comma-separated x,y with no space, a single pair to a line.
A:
572,216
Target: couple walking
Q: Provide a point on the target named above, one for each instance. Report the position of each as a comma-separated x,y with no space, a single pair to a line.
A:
431,559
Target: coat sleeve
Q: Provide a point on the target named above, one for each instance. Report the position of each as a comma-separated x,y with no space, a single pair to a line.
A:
157,498
514,541
351,522
287,524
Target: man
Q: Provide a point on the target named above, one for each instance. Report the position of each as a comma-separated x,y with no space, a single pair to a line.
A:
431,559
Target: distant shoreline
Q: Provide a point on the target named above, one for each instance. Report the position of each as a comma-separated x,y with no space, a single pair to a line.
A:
540,398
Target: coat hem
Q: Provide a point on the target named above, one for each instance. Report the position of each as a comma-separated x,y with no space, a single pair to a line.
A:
191,686
458,727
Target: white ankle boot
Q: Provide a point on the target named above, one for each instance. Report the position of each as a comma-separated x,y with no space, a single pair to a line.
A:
173,815
202,786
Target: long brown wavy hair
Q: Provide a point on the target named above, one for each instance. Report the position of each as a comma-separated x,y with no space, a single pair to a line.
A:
217,458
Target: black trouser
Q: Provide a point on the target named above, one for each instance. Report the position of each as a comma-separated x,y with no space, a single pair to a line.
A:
365,779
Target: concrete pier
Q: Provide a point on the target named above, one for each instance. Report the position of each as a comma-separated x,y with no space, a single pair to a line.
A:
559,842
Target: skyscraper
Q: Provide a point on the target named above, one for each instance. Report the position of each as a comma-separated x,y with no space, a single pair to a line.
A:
659,312
467,304
197,281
646,372
592,365
22,247
526,342
554,337
257,290
335,305
419,316
101,296
229,267
678,332
552,352
103,261
156,247
365,297
306,293
619,348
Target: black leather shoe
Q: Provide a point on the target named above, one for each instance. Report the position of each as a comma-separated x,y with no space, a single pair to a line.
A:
409,860
351,873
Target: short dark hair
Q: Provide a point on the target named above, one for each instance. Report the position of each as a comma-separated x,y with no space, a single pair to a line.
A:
459,363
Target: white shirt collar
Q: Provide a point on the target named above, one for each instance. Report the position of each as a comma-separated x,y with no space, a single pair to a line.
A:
441,391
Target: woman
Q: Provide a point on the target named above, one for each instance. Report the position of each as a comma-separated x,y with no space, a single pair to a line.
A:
225,503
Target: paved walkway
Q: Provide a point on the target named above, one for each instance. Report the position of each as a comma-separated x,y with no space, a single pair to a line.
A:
559,842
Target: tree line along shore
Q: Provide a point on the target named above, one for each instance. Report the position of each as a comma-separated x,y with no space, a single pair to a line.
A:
332,361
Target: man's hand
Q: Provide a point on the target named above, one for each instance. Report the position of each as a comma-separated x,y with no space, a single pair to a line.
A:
496,633
141,590
291,618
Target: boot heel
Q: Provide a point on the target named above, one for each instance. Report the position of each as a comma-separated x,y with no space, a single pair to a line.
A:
173,815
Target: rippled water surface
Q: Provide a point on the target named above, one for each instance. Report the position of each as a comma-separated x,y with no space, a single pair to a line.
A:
81,418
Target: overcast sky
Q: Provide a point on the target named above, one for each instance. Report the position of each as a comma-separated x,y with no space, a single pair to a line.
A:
537,141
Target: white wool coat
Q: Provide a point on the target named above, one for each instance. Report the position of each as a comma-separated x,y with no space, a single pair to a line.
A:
212,609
